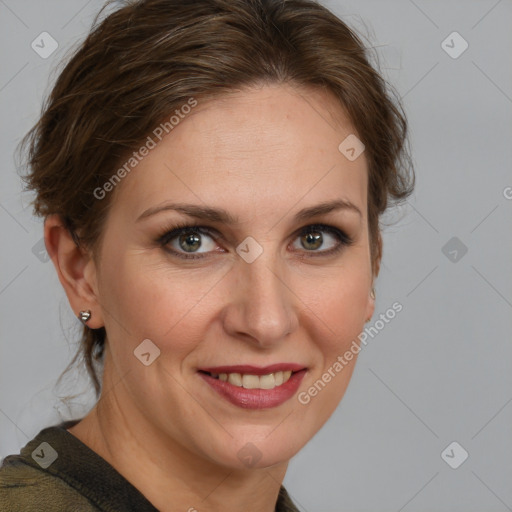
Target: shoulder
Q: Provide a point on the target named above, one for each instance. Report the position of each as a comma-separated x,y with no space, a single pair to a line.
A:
23,487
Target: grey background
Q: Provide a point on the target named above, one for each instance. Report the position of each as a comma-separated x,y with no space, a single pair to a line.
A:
439,372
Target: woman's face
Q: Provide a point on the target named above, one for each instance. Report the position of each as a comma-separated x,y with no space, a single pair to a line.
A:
261,279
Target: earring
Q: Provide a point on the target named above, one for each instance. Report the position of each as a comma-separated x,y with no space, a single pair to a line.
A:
84,315
372,295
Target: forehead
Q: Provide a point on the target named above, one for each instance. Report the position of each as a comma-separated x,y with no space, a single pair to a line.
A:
253,150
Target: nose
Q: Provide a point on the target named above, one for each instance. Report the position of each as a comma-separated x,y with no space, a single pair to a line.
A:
262,308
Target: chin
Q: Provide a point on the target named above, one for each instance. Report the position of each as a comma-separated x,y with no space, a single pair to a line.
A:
258,452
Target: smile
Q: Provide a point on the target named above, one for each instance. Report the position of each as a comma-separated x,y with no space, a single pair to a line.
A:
255,388
248,381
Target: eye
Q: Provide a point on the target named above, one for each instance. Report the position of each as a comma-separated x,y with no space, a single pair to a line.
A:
188,240
193,242
320,236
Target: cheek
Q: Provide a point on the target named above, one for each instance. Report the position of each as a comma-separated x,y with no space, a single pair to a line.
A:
148,301
337,312
337,309
342,317
338,298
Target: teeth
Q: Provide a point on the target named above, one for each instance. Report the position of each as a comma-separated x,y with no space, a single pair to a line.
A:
269,381
235,379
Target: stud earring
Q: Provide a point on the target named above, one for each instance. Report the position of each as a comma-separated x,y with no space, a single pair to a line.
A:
372,294
84,315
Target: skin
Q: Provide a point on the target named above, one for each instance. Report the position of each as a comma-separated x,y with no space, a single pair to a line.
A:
263,154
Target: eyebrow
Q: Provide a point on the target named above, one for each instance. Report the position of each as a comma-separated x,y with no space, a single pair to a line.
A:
222,216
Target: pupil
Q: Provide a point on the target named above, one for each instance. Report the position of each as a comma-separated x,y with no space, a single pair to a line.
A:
312,240
193,241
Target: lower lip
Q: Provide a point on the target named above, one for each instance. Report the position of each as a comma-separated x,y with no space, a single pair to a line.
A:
256,398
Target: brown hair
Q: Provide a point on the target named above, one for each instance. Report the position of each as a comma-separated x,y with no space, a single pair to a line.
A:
149,57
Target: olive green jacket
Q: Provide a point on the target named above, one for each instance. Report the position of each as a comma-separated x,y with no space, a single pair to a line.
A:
56,472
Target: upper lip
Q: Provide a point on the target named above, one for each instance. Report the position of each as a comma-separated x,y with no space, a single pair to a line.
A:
254,370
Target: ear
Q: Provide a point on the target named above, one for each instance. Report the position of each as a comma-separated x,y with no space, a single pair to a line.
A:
75,268
375,272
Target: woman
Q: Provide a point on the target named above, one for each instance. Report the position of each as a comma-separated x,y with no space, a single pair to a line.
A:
211,177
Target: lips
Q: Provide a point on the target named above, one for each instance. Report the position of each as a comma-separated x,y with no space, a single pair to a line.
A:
254,370
259,398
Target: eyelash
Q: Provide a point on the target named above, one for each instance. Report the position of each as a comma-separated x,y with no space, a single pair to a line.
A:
178,229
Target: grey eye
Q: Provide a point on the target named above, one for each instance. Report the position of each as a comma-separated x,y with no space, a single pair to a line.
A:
315,239
192,241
